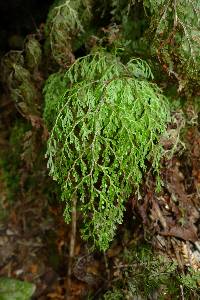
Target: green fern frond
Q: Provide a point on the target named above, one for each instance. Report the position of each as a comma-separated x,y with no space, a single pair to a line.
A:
107,124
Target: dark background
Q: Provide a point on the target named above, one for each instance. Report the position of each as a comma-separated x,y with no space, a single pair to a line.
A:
19,18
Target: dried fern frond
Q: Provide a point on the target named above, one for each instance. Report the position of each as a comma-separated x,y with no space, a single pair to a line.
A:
19,79
107,122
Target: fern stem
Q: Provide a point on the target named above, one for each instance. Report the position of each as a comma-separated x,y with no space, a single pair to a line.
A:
72,245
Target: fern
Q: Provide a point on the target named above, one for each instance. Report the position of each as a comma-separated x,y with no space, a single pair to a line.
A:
176,29
142,274
115,294
57,85
172,34
191,280
107,124
20,75
33,53
67,20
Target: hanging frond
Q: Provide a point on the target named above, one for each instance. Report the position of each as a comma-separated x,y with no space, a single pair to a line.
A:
175,26
107,122
67,20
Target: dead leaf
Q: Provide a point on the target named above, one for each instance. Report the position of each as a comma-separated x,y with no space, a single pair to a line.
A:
34,269
36,121
186,233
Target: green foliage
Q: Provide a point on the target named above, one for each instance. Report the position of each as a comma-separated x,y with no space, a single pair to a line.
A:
107,127
105,120
154,5
129,21
115,294
121,9
143,274
151,274
191,280
148,275
12,289
56,83
165,31
67,21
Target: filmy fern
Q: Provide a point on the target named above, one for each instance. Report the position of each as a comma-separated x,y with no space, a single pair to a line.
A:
67,20
175,26
19,73
107,123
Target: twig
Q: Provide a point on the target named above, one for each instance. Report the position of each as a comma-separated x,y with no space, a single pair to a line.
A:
182,293
160,215
71,247
107,267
